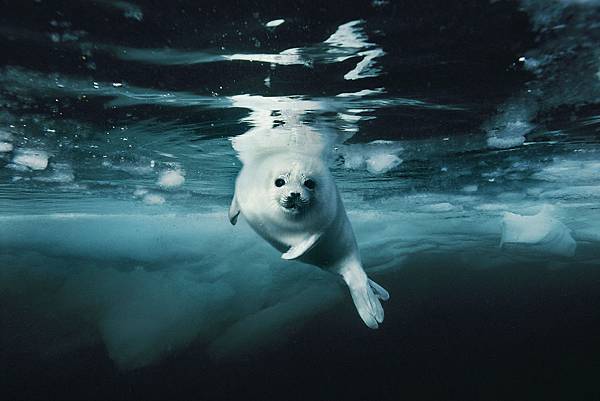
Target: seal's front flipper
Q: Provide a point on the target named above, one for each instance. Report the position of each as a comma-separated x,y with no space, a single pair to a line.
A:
300,249
234,210
366,295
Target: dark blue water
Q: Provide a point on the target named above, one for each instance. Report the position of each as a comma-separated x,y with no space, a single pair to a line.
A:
464,137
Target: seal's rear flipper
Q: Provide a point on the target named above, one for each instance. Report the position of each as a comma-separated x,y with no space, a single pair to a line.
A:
234,210
366,295
379,291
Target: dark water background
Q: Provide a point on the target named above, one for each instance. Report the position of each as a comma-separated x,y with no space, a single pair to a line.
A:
492,107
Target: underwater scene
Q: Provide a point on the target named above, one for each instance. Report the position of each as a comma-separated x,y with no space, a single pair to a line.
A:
300,200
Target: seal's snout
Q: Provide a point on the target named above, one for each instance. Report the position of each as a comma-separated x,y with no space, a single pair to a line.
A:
293,201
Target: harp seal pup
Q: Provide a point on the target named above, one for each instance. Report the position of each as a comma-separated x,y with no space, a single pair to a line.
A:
291,200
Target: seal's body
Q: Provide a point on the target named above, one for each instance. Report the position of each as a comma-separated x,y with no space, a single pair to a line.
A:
291,200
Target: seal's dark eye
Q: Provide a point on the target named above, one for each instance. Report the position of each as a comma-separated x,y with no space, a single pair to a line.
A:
310,184
279,182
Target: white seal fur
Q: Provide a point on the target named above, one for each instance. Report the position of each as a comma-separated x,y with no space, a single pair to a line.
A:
311,225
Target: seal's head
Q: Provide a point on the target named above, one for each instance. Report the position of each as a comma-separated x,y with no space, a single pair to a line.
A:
294,194
298,185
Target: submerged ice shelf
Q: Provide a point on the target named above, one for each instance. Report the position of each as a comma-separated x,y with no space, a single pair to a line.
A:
179,284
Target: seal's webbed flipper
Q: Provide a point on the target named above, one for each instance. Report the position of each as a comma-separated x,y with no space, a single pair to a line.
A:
300,249
379,290
234,210
366,295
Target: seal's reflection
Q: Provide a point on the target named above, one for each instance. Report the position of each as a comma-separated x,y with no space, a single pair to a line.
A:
288,196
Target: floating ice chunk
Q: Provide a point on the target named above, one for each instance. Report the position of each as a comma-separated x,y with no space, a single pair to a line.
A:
61,173
31,158
382,163
542,232
154,199
171,179
274,23
378,156
439,207
496,142
138,193
508,128
6,147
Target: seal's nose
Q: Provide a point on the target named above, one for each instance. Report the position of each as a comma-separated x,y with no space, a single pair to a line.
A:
295,195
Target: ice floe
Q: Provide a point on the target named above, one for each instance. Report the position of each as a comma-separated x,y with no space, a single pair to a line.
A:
31,158
153,199
170,179
376,157
6,147
541,232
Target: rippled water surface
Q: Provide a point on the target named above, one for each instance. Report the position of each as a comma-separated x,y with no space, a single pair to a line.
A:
464,138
